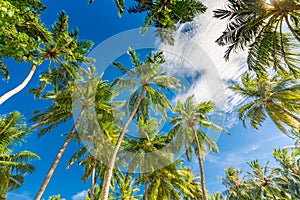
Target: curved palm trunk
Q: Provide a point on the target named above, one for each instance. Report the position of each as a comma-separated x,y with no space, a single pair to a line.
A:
57,158
108,173
20,87
200,165
93,182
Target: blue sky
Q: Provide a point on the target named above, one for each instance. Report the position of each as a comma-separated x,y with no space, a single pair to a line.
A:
97,22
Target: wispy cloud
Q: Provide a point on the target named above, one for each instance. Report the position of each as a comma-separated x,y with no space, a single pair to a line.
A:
261,150
196,56
80,195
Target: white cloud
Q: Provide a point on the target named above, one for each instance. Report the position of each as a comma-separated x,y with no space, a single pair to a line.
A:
195,54
80,195
261,150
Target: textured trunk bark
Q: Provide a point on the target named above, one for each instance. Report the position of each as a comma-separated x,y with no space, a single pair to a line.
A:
108,173
200,166
57,158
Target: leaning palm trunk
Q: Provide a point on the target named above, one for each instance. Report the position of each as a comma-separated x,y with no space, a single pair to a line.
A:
200,165
57,158
93,182
108,173
20,87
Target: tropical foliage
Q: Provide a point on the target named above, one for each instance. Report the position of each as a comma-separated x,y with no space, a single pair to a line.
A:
122,164
13,166
266,182
260,27
275,96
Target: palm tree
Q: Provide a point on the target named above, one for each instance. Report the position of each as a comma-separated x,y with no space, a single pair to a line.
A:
126,188
142,78
166,14
235,185
259,26
13,166
277,96
20,40
191,117
261,184
146,158
288,179
65,53
61,111
172,182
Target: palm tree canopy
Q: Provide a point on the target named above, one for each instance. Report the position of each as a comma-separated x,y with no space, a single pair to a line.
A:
265,182
172,182
191,115
277,97
65,52
261,27
166,14
147,79
22,33
13,166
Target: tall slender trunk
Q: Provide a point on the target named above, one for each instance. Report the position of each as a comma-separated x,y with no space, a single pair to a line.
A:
20,87
93,181
109,171
57,158
146,180
200,165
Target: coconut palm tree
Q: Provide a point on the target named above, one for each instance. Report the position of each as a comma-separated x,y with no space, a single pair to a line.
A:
288,179
172,182
65,53
191,117
13,166
145,78
166,14
126,188
277,97
261,184
144,151
61,111
20,36
235,185
259,26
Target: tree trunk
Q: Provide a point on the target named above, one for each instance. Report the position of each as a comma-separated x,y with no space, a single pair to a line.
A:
146,180
109,171
57,158
20,87
200,166
93,182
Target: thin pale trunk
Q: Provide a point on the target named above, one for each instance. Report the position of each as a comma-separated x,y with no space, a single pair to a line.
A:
200,165
93,182
146,181
57,158
20,87
109,171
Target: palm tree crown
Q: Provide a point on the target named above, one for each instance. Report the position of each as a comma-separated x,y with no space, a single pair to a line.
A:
13,166
259,26
277,96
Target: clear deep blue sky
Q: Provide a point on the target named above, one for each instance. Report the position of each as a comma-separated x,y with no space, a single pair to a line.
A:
97,22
